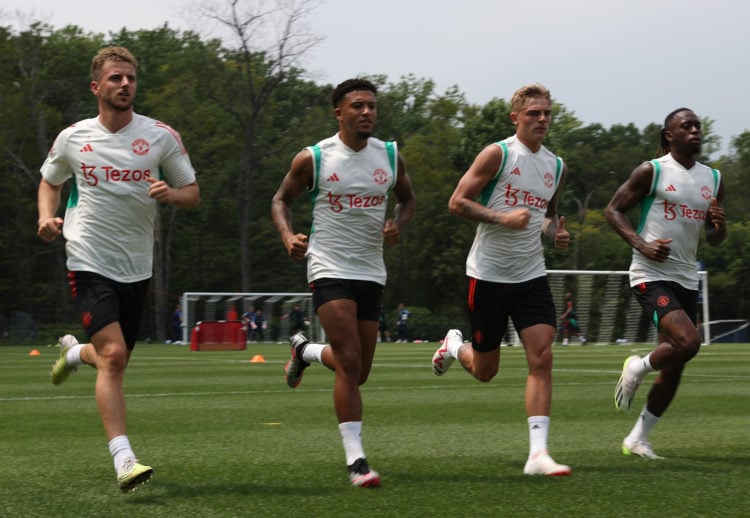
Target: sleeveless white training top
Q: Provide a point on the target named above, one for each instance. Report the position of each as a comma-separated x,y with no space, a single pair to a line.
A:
525,180
350,198
675,208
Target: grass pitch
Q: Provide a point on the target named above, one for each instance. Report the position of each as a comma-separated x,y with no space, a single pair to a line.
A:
226,437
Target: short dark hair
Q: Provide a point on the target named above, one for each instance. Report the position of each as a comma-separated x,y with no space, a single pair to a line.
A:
663,142
351,85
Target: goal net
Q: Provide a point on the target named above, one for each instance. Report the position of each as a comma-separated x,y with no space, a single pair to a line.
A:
607,311
214,320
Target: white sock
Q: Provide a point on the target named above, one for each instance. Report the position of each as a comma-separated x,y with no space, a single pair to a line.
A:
641,366
538,431
120,449
351,435
313,353
453,347
73,355
643,426
647,363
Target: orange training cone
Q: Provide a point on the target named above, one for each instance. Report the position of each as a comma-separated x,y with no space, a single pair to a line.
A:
257,359
34,352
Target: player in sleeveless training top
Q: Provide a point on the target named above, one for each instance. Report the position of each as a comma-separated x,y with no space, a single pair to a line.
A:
512,191
679,198
348,177
116,161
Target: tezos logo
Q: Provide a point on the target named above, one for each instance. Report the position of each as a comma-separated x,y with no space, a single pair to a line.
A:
140,147
662,301
380,176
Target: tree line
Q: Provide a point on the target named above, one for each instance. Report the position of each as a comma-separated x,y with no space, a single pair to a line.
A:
244,111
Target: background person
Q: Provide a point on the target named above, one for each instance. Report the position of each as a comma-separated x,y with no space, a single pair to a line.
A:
259,326
297,319
569,321
177,325
403,329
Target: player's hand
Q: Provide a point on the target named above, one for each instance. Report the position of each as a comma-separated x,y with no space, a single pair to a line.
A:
716,213
49,229
656,250
517,219
562,236
296,246
159,190
391,233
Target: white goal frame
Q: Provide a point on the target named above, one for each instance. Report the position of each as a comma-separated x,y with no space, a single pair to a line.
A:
611,305
215,306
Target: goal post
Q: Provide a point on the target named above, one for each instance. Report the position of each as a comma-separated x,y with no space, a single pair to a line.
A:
224,307
608,312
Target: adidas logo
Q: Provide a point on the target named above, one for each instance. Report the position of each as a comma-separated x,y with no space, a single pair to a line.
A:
333,178
87,148
670,188
516,172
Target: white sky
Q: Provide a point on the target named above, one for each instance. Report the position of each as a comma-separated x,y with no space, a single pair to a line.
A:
608,61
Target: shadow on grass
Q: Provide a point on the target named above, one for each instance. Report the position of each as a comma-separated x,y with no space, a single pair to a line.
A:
158,490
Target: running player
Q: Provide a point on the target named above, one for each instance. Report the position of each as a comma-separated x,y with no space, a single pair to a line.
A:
115,161
680,197
349,176
512,190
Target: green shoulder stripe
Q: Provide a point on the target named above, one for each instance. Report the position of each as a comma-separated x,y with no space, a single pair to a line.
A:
317,158
717,180
316,155
648,201
484,196
390,148
73,196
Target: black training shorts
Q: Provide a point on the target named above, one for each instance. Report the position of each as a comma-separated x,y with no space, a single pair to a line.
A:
367,294
491,303
101,301
661,297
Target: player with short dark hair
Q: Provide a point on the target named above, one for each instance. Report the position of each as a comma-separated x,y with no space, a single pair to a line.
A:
680,198
350,176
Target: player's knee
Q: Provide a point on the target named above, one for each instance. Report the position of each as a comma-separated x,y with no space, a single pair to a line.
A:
485,374
541,362
688,348
112,359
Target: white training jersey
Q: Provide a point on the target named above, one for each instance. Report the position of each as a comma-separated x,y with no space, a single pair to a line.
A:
109,220
349,200
525,180
675,208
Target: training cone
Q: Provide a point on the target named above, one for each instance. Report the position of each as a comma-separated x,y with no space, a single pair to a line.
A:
34,352
257,359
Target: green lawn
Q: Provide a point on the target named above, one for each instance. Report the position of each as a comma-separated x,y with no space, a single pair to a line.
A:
227,437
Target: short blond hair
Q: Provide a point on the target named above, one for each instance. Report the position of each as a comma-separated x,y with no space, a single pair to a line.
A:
110,54
519,98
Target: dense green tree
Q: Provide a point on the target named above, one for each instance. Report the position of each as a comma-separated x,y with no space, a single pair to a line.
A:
729,272
244,89
245,110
